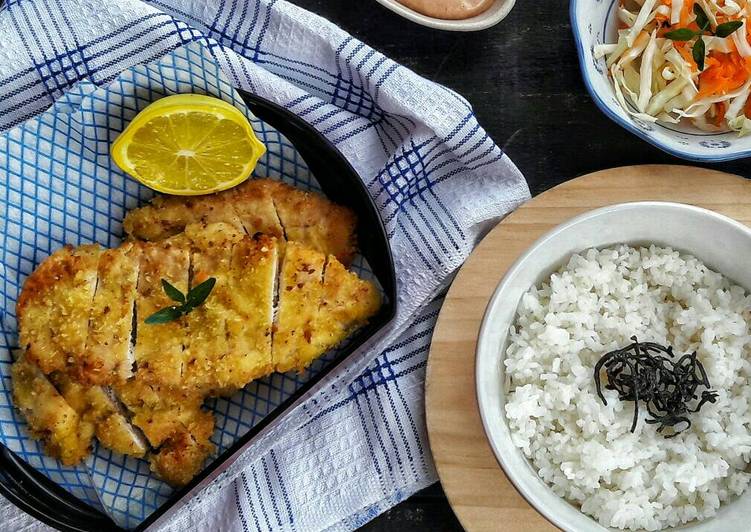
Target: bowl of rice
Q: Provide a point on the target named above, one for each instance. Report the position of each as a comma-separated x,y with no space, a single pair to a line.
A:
587,451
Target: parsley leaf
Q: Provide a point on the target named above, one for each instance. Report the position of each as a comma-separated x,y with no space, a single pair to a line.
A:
698,52
173,293
165,315
195,298
681,34
726,28
198,294
702,20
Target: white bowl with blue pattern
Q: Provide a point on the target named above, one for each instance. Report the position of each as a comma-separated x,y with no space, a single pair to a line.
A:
594,22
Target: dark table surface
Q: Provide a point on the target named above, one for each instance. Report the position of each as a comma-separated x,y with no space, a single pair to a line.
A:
522,78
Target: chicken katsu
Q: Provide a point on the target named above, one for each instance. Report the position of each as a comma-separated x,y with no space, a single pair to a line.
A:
159,351
96,365
97,406
256,206
49,416
108,356
54,307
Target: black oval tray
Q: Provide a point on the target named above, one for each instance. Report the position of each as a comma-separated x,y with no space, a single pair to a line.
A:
40,497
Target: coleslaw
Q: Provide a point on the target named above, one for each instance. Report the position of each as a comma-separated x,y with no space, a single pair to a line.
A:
683,60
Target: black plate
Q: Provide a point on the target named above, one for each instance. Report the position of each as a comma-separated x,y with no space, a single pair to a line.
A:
40,497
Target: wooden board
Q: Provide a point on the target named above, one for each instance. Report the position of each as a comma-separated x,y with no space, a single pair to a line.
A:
477,488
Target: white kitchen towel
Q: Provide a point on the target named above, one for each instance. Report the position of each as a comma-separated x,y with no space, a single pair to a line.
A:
356,444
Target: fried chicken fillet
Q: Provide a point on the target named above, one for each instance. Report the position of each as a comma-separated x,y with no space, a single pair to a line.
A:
175,425
93,367
54,306
320,304
108,357
159,351
48,415
257,206
98,407
300,292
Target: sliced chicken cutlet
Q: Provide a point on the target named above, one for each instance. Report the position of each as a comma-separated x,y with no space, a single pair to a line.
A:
258,205
276,306
314,221
320,304
174,422
108,356
161,411
207,341
347,303
159,348
181,458
97,406
50,418
167,216
300,292
254,272
254,204
54,306
230,334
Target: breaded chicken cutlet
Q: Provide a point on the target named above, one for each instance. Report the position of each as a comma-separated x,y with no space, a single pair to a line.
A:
256,206
139,388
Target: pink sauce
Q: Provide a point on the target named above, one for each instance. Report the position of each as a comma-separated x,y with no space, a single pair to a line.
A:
448,9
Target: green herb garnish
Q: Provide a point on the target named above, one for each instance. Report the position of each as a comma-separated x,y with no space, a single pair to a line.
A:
195,297
698,50
702,20
726,28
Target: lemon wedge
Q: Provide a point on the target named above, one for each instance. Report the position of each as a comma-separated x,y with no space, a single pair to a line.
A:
188,144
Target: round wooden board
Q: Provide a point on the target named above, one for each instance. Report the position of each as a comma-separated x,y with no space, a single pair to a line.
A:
477,488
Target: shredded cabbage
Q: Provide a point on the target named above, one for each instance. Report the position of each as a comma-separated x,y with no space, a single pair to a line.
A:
626,16
601,50
641,20
741,41
621,47
645,87
660,100
656,78
740,124
737,104
675,13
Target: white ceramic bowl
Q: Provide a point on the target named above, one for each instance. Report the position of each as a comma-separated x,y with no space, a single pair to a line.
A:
594,22
718,241
496,13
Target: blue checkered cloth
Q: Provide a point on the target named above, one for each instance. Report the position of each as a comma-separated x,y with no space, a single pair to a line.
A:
72,73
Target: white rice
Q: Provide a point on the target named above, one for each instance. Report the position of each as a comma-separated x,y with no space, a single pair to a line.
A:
583,449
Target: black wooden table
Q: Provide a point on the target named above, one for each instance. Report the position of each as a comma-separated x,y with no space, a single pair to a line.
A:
522,77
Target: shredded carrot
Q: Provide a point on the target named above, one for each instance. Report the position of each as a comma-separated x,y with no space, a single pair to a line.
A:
719,113
686,10
747,108
723,73
686,54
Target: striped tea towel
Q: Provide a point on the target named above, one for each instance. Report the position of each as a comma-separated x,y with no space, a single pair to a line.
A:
356,444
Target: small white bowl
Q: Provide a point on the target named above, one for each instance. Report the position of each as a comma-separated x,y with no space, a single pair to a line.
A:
716,240
594,22
496,13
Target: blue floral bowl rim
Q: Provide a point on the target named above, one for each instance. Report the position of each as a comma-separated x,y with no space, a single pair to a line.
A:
627,124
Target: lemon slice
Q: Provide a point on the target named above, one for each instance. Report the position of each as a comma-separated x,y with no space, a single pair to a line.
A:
188,144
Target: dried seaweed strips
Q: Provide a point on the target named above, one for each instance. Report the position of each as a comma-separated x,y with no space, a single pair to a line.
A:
645,371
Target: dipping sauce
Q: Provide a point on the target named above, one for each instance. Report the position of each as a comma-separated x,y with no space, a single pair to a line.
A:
449,9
